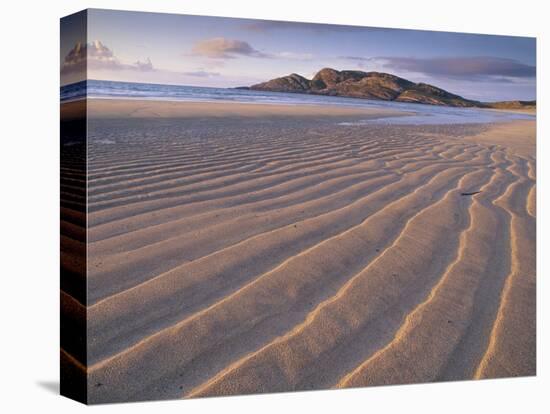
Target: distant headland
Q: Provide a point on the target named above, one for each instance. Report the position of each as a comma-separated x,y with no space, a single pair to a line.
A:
379,86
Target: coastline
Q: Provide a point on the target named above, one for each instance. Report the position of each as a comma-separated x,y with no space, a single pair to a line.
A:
529,111
135,108
153,108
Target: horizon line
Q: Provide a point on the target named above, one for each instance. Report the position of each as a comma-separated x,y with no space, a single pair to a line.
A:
244,86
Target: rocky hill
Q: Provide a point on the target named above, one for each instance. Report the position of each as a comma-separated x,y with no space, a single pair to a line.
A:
375,85
527,105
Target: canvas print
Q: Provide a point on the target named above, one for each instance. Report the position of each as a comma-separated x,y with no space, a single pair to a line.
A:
253,206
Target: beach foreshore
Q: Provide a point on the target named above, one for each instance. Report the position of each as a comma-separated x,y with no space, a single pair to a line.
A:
518,137
243,255
135,108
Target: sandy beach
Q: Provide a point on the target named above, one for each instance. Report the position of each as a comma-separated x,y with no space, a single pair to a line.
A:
239,248
136,108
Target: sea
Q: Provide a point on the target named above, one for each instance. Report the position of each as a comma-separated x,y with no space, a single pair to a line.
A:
419,114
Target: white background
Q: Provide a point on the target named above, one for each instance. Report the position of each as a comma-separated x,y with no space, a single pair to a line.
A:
29,177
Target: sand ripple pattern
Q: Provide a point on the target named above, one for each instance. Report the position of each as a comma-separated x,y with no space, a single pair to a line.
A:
247,257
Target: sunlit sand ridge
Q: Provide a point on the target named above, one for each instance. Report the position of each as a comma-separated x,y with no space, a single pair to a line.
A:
282,251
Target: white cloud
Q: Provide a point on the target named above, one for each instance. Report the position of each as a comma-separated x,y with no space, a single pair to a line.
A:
222,48
97,56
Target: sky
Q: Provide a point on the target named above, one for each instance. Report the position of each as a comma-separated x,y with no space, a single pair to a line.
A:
228,52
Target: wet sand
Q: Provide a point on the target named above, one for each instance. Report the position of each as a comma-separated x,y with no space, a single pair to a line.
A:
136,108
239,248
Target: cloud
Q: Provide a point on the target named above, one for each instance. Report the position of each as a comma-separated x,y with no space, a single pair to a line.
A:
265,26
471,68
146,66
201,73
98,51
96,55
222,48
357,58
75,61
293,56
